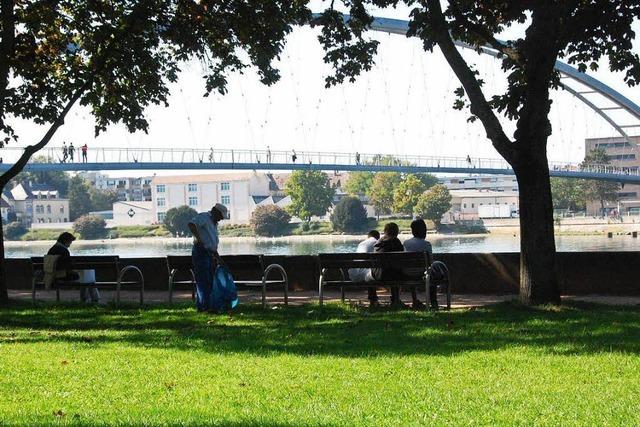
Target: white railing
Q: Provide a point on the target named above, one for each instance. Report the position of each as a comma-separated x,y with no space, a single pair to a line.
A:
228,156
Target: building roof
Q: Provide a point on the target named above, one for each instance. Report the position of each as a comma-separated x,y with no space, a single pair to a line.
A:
194,179
4,204
258,199
482,193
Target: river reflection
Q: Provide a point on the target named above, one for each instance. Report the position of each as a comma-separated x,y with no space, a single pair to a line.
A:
296,246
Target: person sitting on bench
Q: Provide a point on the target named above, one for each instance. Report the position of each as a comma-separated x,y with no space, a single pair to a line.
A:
388,243
64,266
418,243
367,245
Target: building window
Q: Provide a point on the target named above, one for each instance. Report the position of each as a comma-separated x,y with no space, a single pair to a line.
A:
224,186
473,205
622,157
161,201
49,209
225,200
61,209
161,216
193,201
160,188
192,188
464,206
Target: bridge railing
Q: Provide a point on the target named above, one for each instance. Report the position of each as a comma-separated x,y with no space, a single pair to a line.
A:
124,155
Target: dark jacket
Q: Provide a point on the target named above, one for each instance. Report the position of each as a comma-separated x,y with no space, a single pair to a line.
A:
64,262
387,244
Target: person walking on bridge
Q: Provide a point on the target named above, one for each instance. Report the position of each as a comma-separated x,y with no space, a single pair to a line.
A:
65,152
294,156
204,254
72,150
84,153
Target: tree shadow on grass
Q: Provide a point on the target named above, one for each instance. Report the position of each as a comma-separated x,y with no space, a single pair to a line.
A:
337,329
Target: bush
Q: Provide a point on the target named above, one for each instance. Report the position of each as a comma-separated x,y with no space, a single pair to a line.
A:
14,231
269,220
349,215
177,219
90,227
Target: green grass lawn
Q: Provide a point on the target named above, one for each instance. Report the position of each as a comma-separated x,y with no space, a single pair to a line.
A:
502,365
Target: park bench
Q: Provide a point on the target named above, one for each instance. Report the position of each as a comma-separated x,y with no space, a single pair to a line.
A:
109,275
334,268
249,272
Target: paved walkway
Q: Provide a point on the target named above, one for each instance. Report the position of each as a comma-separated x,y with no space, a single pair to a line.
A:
304,297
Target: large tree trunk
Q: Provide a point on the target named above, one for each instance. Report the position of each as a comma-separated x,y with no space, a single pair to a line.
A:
538,277
4,293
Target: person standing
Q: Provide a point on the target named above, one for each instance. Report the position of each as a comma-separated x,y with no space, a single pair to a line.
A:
357,158
211,155
84,153
294,156
65,152
204,254
71,151
268,154
418,243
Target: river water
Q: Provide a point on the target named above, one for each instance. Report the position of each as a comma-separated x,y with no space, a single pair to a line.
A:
308,245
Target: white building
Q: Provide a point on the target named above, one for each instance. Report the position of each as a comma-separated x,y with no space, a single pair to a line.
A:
469,205
39,204
132,213
234,190
492,183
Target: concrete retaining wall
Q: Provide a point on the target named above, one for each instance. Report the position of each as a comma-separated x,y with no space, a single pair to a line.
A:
581,273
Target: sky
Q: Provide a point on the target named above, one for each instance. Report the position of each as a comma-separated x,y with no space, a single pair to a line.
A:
403,106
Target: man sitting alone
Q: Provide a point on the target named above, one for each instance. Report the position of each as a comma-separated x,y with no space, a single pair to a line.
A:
65,268
418,244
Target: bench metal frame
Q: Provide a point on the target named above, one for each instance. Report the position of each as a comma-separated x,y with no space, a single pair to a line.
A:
94,263
176,263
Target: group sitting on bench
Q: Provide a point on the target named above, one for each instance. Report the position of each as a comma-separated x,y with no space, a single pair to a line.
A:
389,242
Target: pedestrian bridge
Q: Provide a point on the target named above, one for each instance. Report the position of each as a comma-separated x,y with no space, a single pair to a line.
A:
156,159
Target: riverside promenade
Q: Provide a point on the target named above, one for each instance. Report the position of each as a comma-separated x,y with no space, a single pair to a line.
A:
274,299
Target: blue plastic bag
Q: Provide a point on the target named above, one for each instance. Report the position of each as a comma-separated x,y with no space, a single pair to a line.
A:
224,294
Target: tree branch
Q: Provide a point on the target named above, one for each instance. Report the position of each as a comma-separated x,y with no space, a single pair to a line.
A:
485,35
479,105
30,150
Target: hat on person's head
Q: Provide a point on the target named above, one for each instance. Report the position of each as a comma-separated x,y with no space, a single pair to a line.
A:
66,237
221,208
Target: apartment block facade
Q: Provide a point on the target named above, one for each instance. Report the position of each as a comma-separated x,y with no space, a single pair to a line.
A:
624,154
237,191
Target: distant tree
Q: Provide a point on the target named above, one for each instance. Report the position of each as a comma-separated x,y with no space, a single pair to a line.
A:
434,203
310,192
568,194
269,220
602,191
382,190
58,180
90,227
102,200
349,215
359,183
406,194
79,198
176,220
427,179
14,230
